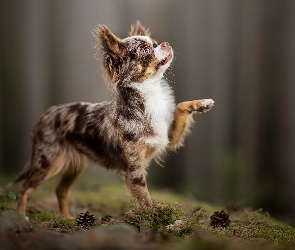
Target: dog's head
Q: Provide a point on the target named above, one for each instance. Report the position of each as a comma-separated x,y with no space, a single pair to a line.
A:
132,59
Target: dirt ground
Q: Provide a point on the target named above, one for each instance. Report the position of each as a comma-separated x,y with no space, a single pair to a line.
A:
114,221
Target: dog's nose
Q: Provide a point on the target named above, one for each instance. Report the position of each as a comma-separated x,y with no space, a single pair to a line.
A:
165,45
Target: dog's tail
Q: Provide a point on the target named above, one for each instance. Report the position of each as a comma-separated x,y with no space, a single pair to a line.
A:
22,175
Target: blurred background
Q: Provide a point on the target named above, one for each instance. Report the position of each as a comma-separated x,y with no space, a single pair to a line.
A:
240,53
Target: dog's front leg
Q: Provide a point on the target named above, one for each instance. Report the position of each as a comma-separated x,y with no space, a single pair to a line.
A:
183,119
135,180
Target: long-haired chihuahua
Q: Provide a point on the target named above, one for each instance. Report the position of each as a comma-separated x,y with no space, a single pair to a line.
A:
125,134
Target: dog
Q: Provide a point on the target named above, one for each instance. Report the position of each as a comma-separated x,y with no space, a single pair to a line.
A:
140,124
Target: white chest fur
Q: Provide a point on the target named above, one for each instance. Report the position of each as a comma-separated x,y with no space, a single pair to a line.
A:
160,106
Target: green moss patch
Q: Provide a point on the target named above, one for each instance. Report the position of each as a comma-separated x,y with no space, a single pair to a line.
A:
169,217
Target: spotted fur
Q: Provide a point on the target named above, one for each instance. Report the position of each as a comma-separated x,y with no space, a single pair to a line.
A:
125,134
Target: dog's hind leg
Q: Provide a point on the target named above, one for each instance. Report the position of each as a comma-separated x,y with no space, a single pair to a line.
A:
23,195
40,169
68,178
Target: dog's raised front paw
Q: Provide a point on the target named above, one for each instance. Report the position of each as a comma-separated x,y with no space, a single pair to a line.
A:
202,106
197,106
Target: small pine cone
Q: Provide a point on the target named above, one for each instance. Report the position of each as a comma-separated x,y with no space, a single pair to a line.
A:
107,219
220,219
86,220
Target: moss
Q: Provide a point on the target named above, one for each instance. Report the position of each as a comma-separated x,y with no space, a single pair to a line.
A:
170,219
158,216
7,206
257,226
62,222
51,221
247,228
279,235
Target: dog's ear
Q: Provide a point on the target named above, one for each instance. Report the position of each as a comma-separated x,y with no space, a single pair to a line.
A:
110,44
139,30
113,51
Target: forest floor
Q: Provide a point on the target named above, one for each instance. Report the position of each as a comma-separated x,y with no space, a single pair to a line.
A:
106,218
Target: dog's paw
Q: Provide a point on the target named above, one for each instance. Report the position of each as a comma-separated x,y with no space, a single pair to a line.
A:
197,106
204,105
200,106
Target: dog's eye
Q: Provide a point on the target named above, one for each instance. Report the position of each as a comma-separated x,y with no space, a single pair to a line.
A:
145,51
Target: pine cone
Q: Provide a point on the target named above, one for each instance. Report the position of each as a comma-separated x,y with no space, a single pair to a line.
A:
86,220
107,219
220,219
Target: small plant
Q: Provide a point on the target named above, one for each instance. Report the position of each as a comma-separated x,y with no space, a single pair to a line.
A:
51,221
158,216
167,217
201,214
61,223
10,195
